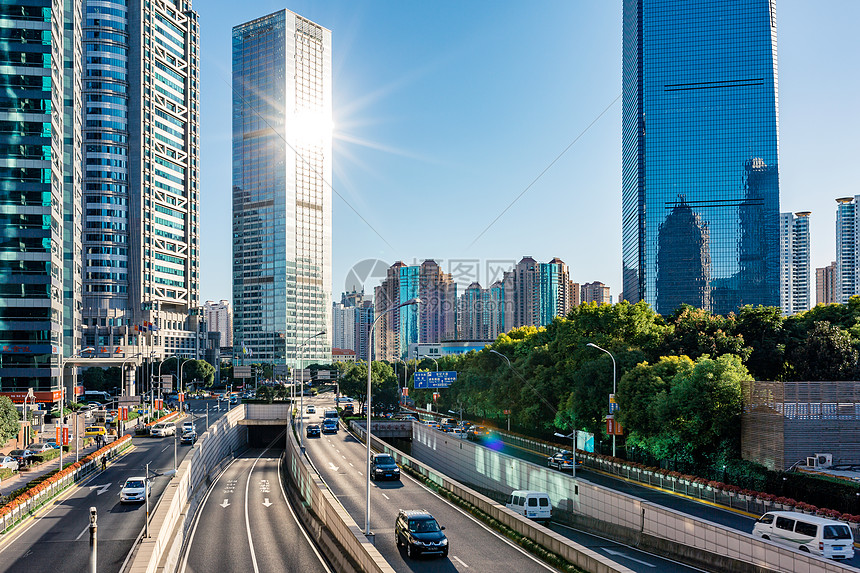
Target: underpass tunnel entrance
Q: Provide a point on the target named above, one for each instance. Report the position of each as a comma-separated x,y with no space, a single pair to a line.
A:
263,435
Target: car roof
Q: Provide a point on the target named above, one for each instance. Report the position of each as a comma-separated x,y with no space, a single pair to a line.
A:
807,518
416,514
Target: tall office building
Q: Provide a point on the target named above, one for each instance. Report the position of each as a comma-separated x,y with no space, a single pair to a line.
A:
343,326
825,284
142,181
794,262
282,167
847,251
219,318
699,132
40,193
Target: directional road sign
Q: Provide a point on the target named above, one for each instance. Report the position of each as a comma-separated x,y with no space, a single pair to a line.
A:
434,379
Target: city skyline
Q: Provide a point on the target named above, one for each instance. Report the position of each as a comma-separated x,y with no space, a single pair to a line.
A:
371,106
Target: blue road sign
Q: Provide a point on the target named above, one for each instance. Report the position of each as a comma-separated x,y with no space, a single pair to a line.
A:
434,379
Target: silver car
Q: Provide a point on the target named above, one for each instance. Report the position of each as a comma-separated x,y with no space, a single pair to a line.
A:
133,490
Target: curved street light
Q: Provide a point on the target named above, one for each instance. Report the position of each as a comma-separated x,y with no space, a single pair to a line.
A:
591,344
367,402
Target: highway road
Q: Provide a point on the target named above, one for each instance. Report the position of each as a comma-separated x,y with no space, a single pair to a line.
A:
245,523
57,540
340,459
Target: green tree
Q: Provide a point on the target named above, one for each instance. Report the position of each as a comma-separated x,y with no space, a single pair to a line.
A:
826,354
9,420
695,332
354,382
198,370
763,331
94,378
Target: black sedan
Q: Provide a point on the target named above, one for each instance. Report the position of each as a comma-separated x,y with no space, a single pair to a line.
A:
313,431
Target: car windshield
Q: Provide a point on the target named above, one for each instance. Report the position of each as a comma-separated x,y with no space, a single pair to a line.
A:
423,526
134,483
16,452
837,532
384,460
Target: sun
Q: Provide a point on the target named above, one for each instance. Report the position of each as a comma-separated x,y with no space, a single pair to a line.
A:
309,126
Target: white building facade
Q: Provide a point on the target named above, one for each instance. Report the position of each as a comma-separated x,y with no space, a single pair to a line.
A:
794,266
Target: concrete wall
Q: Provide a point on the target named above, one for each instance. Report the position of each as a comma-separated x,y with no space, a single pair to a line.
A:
170,520
622,516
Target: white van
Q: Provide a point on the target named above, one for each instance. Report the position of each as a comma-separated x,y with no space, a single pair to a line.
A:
163,429
532,504
811,534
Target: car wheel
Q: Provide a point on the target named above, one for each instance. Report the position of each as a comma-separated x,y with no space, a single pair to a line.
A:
765,537
804,548
397,540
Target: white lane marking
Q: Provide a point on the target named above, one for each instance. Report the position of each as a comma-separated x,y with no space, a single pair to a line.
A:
361,474
165,447
296,519
385,496
100,489
350,463
247,520
460,561
619,554
225,504
344,457
267,503
332,466
81,534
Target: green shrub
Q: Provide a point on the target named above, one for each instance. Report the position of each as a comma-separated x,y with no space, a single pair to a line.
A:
45,456
6,473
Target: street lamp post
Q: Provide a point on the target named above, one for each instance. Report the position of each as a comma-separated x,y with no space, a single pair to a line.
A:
572,436
368,405
591,344
63,401
302,396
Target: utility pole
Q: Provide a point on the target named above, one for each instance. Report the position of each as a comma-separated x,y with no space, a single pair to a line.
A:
93,542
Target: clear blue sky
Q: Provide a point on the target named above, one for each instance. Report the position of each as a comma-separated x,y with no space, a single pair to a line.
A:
446,111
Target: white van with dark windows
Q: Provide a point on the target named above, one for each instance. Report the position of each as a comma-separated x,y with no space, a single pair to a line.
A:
808,533
532,504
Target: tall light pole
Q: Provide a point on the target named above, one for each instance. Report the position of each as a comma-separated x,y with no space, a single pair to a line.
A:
572,436
63,400
367,402
591,344
302,378
400,399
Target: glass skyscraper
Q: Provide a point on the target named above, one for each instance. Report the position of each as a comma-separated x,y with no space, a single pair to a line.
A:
282,167
700,190
40,193
142,176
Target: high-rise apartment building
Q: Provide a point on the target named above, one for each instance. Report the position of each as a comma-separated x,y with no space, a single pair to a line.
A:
794,262
219,318
700,155
847,251
825,284
282,167
40,193
343,326
595,292
142,177
351,319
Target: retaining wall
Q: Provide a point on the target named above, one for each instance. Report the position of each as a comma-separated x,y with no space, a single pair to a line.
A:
624,517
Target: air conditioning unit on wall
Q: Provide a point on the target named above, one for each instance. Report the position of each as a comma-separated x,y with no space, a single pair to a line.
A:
820,461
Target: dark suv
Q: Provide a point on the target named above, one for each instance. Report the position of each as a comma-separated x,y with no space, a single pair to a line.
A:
418,530
383,466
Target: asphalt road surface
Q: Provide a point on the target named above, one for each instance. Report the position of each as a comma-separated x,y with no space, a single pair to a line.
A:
340,459
245,523
57,540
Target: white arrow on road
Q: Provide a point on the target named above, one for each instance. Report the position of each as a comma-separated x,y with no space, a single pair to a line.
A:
100,489
267,503
225,504
332,466
619,554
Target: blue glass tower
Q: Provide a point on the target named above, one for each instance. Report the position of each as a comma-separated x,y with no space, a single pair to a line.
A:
699,138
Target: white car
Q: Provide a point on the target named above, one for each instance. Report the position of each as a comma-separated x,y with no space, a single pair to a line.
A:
39,448
8,463
311,409
133,490
163,429
186,426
